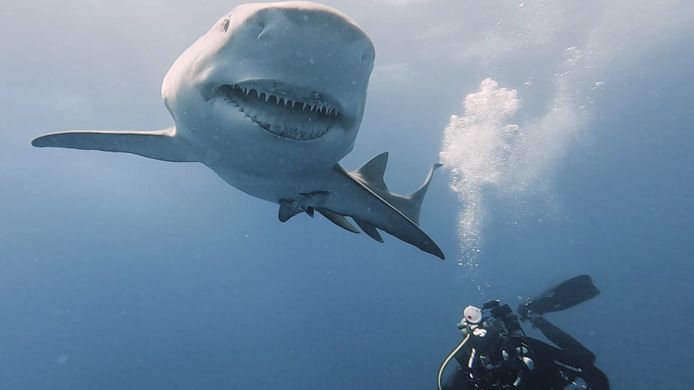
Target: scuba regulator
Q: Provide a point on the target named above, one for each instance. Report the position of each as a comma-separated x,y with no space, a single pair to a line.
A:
492,317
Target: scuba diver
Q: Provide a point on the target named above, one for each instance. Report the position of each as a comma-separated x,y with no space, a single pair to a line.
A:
496,354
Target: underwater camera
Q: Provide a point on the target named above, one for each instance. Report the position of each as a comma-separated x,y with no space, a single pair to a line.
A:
504,315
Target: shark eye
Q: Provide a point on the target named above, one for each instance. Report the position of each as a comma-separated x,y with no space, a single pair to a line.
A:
225,25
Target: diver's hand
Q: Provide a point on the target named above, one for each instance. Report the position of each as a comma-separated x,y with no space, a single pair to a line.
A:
527,314
523,311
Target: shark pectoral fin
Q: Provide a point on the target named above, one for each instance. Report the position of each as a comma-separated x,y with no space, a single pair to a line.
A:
157,144
369,229
338,220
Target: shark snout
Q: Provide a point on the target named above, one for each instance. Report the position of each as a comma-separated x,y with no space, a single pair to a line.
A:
296,69
324,27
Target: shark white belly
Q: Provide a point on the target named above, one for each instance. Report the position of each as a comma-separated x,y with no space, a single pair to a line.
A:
271,99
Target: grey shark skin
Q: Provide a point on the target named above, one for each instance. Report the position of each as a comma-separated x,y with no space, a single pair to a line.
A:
271,99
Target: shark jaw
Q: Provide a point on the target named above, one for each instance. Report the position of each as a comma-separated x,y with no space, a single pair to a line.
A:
284,110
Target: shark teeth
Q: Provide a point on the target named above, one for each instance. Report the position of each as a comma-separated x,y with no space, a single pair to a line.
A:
283,110
294,102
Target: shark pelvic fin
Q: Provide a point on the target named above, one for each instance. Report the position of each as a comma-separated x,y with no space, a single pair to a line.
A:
369,229
309,211
338,220
287,210
156,144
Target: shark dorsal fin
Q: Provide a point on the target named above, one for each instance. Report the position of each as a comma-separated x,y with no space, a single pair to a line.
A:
372,172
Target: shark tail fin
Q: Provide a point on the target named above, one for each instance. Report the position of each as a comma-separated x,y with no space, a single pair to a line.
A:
371,175
394,213
411,204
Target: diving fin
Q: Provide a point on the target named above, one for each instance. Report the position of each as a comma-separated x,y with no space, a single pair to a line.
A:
563,296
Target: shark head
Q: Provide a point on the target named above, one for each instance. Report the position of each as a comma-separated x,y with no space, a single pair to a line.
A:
287,79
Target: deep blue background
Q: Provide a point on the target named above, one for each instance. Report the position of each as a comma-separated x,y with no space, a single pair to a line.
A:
118,272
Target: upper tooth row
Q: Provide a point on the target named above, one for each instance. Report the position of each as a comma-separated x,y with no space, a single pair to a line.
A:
322,107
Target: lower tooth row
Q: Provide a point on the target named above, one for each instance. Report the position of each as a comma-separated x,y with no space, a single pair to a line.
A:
282,130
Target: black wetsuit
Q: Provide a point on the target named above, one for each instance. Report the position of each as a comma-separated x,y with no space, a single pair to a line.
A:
499,360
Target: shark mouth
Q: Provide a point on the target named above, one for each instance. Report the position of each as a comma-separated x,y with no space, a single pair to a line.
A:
284,110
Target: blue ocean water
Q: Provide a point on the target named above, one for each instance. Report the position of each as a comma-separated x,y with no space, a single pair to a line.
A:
118,272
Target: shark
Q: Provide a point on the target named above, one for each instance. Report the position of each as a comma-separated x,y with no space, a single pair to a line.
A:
271,98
